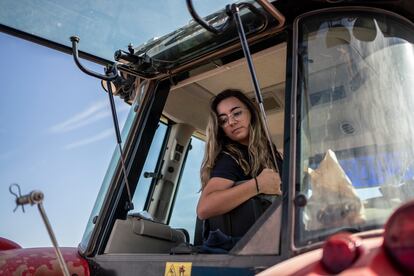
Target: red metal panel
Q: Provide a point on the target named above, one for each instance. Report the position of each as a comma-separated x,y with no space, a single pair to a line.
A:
6,244
372,262
41,261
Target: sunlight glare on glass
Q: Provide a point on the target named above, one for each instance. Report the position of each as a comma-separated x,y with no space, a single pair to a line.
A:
103,26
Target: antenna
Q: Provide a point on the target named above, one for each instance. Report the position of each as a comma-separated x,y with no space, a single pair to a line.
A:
36,197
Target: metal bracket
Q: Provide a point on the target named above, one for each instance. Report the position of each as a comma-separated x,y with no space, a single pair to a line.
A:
228,22
110,74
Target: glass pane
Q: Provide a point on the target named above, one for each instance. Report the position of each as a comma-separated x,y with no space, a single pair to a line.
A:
356,135
57,136
184,213
103,26
144,184
107,179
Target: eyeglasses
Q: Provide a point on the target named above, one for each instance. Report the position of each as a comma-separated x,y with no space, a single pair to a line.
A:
236,115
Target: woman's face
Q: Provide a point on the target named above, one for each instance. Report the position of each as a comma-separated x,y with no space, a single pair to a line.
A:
234,118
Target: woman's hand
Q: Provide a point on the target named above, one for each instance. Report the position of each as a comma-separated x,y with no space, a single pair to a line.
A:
269,182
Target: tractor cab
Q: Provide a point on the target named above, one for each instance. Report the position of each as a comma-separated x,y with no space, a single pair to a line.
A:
335,82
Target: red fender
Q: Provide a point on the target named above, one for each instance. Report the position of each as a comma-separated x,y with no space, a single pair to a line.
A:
41,261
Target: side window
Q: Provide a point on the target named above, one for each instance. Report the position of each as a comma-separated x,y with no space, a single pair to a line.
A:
144,183
184,213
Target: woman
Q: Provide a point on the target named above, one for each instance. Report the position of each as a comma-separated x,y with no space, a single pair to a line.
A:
236,150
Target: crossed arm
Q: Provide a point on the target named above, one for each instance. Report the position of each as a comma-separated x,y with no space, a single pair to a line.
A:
221,195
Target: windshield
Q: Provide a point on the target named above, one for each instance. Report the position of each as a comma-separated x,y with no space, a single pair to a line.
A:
356,79
107,180
103,26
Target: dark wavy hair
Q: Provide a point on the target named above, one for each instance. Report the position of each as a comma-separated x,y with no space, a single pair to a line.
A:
217,141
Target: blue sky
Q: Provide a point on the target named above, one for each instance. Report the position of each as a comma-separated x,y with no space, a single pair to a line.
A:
56,136
56,132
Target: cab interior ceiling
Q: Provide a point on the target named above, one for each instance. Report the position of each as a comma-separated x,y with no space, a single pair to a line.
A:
188,101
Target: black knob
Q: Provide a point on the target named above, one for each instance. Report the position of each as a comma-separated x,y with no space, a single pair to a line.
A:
300,200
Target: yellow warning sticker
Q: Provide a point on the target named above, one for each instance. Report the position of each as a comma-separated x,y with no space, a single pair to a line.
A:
177,269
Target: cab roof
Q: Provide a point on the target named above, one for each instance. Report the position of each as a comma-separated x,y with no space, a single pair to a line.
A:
107,26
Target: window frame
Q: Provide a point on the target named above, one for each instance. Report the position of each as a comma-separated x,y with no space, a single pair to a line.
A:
294,170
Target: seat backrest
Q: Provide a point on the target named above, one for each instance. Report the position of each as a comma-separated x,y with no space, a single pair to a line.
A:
138,235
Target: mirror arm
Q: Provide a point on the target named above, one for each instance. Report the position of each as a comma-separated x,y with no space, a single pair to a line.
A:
204,24
110,76
269,8
111,73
